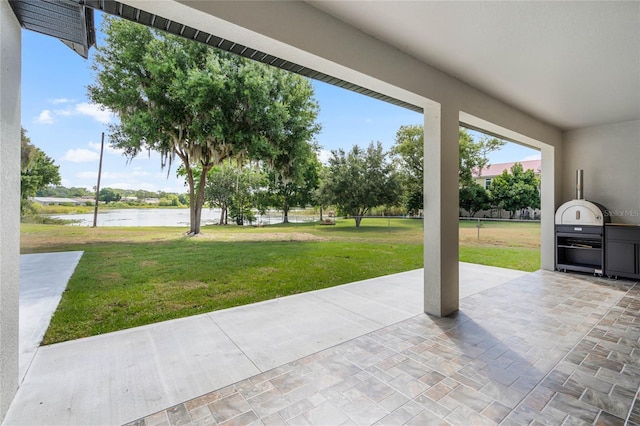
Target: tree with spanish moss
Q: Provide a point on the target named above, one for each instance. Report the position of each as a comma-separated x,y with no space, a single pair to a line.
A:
184,99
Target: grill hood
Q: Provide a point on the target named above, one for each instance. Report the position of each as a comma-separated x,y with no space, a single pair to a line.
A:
580,211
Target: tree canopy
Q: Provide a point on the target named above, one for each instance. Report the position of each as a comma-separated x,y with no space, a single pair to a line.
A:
37,170
236,191
516,190
361,180
474,155
109,195
181,98
474,198
408,152
292,184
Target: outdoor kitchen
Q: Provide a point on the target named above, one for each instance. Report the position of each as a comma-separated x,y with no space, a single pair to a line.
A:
586,239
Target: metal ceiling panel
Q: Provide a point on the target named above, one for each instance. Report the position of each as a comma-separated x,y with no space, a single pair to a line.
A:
67,20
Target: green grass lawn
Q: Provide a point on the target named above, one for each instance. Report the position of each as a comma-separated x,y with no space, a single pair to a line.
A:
134,276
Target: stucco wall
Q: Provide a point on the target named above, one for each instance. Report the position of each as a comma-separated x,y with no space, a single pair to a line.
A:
10,53
610,158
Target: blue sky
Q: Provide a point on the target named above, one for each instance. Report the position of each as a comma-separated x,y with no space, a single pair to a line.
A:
62,122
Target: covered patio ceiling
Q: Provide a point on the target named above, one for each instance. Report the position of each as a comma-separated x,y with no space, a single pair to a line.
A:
570,64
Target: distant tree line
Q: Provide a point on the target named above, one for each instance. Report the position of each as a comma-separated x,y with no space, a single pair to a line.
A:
354,183
110,195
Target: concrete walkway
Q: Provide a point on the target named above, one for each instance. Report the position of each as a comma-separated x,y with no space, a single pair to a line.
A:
119,377
43,278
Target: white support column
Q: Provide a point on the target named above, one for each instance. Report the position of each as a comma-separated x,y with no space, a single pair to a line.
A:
10,59
441,275
550,196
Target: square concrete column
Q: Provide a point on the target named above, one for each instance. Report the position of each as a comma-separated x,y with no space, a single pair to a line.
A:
441,151
550,197
10,58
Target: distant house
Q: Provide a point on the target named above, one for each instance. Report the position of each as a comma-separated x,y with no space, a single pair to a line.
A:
487,174
485,177
47,201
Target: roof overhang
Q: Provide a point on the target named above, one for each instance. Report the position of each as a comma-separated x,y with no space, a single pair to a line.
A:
72,22
68,20
158,22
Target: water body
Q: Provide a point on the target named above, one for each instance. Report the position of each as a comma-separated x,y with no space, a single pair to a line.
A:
154,217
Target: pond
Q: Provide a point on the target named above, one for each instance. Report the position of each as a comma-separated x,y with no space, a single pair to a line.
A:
159,217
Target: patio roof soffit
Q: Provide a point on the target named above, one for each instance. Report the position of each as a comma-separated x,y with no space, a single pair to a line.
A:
72,22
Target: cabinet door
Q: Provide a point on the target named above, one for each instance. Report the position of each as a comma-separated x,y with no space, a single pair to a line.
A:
622,258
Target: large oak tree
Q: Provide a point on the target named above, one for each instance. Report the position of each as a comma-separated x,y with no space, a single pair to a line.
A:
181,98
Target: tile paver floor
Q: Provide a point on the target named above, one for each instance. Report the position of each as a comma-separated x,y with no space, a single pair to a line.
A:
545,348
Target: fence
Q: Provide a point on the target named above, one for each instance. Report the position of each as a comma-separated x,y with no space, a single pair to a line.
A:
333,222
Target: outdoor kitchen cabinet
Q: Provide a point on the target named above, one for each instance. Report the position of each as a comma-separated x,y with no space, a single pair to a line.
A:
622,248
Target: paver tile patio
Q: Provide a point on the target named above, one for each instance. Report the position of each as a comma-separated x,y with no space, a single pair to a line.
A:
543,348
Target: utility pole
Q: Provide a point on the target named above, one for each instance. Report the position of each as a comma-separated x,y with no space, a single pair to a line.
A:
95,211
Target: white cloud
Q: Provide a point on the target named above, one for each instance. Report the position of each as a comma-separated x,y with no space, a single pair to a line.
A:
120,185
80,155
91,110
532,157
64,112
134,175
107,148
94,111
61,101
137,185
125,175
324,155
45,117
87,175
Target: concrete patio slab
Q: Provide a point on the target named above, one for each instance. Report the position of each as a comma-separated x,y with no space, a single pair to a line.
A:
279,331
43,278
476,278
119,377
110,378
